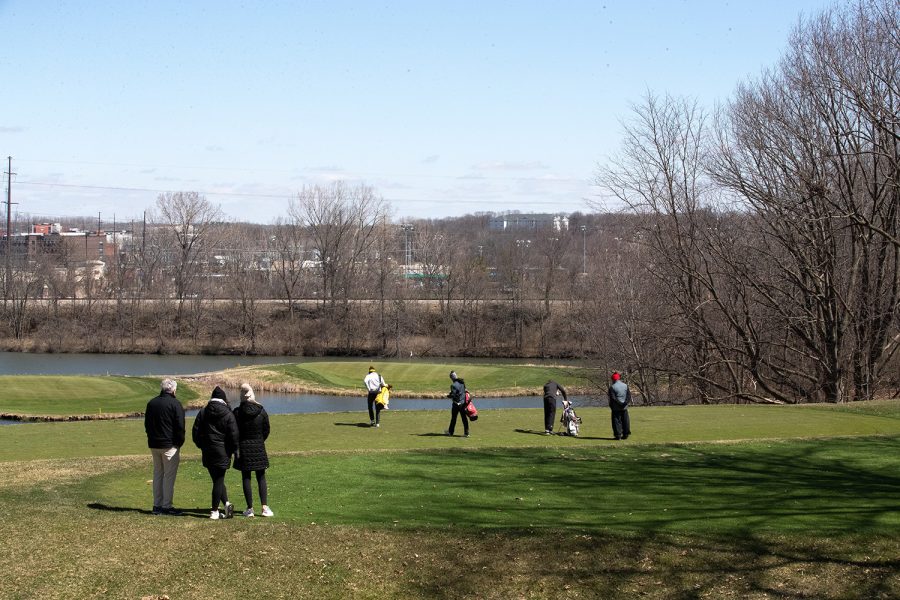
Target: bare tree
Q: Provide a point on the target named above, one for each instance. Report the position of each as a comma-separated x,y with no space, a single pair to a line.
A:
818,170
188,222
246,275
342,222
290,259
659,174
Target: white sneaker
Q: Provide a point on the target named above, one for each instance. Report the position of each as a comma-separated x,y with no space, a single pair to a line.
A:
229,510
267,512
249,513
447,432
215,516
377,424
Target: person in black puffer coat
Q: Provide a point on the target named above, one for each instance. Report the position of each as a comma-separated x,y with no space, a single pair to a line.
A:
253,425
215,432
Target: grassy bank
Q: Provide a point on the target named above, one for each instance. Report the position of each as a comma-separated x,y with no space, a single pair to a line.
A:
410,379
58,396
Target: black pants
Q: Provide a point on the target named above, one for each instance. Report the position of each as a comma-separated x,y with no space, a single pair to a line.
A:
458,409
549,413
370,400
219,492
621,424
248,487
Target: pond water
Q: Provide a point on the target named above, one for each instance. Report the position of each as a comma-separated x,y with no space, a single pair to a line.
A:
277,403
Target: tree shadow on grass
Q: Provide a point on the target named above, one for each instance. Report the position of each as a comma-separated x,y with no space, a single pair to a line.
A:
604,565
792,520
825,487
196,513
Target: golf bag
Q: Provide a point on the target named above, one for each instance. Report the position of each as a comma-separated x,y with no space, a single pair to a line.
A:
570,421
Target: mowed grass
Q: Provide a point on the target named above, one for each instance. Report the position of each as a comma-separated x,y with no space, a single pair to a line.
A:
830,487
421,378
422,430
57,395
804,507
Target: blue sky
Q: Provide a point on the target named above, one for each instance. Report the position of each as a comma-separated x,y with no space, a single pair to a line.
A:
445,108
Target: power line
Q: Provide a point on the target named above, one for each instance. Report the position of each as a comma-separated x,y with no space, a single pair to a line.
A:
276,196
351,175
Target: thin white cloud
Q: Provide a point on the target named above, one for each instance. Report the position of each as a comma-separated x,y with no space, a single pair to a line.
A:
507,165
12,129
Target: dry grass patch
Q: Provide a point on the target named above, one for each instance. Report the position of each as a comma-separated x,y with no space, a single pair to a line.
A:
86,554
54,472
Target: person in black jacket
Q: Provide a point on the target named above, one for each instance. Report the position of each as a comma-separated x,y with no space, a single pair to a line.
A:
215,432
253,427
164,424
551,391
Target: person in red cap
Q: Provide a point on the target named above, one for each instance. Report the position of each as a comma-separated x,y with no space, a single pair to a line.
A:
619,399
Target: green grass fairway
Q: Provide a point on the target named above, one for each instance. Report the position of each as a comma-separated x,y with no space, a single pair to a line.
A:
703,501
412,430
828,487
57,395
418,378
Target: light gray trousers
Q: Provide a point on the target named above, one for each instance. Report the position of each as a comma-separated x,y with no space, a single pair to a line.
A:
165,468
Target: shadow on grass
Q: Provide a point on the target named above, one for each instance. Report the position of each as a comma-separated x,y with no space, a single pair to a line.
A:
196,513
580,437
665,566
830,487
530,431
366,425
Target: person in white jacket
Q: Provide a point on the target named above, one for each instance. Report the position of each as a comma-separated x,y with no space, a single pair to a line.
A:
373,382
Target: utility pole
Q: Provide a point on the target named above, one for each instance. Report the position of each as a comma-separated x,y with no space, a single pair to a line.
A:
9,203
407,228
583,249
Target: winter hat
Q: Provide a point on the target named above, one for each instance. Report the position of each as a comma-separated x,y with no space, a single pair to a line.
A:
247,394
616,376
219,393
371,369
453,376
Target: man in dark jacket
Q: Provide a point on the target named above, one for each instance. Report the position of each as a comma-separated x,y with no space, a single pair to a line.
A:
619,399
164,424
457,397
551,391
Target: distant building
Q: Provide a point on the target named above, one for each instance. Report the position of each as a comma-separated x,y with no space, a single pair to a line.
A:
529,222
50,240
